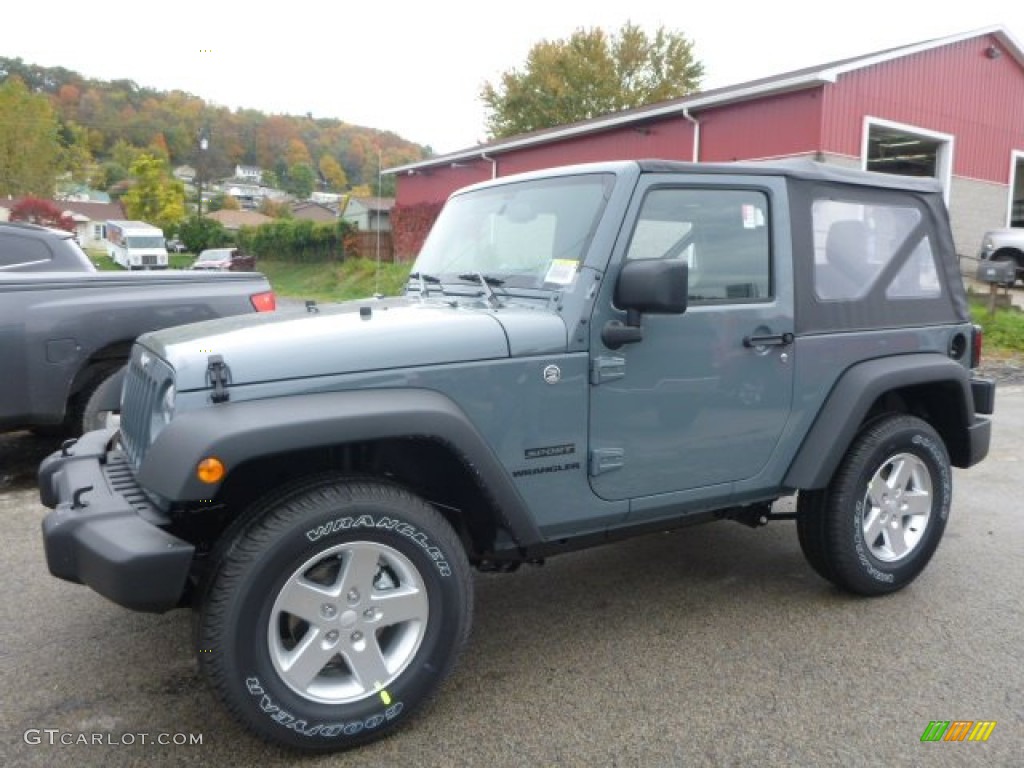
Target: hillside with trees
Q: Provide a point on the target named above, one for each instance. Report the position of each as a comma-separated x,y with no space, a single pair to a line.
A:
54,121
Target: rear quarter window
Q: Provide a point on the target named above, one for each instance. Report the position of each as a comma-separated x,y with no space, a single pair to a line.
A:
16,250
858,245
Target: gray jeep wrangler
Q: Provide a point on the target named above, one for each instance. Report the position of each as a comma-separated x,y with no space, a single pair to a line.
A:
581,354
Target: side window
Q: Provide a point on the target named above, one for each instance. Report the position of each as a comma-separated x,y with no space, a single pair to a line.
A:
21,250
854,242
721,233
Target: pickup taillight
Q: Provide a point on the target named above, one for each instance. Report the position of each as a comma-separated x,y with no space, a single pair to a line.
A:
264,302
976,342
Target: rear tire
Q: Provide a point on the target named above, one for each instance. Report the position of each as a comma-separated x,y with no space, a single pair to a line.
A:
335,613
876,526
1004,256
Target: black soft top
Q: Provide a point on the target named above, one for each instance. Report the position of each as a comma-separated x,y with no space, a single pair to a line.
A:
798,168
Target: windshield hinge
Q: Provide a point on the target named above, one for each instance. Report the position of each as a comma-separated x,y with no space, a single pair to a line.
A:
218,376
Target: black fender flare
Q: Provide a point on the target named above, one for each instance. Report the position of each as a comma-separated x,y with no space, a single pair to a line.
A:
108,394
851,398
236,432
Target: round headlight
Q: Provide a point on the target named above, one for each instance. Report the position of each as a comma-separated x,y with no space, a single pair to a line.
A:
163,413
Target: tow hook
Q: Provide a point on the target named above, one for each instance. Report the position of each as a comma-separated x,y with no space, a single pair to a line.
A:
76,499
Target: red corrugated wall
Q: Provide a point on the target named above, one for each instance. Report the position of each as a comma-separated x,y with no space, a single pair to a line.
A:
670,139
788,124
955,89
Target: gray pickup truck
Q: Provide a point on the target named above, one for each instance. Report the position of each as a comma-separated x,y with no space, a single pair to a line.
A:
581,354
66,331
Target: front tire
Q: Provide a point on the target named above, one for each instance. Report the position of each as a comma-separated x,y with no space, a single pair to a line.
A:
332,615
878,523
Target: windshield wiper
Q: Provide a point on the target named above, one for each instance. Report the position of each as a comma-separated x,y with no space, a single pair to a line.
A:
486,281
424,279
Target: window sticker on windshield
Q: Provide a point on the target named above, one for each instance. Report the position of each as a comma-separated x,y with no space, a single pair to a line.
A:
561,271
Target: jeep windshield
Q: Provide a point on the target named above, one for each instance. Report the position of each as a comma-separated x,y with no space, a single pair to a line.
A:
526,234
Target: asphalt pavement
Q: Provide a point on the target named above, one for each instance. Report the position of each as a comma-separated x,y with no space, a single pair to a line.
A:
715,645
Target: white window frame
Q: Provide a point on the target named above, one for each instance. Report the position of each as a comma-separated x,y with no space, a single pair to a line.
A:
1016,161
944,159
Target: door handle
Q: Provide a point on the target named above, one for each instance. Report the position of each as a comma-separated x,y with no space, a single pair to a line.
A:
776,340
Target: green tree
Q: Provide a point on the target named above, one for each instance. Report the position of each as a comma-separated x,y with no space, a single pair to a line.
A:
30,148
300,181
110,174
269,179
75,157
199,234
590,74
156,196
125,154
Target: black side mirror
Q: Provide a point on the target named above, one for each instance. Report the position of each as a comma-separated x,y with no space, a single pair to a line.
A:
654,286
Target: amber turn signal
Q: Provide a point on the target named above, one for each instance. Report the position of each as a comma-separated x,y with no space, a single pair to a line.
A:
211,470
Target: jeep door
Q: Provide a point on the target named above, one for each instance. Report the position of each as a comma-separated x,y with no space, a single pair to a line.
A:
699,404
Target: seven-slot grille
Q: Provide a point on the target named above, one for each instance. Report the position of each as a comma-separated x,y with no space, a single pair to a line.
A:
143,384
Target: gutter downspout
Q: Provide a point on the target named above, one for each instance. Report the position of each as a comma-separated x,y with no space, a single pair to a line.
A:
696,133
493,162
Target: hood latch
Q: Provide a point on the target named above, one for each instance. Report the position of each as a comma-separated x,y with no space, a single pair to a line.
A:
218,376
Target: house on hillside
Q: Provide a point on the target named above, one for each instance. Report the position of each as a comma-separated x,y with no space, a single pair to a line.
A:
311,211
248,195
369,214
249,173
952,108
90,218
184,173
232,221
327,198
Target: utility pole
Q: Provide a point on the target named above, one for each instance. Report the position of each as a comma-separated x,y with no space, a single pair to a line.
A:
204,144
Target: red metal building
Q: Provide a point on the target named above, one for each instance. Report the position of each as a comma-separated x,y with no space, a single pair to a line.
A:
952,108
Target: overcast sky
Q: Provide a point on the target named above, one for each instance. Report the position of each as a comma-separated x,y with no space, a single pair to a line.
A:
416,68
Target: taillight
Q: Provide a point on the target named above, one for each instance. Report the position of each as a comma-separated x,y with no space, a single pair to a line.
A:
976,342
264,302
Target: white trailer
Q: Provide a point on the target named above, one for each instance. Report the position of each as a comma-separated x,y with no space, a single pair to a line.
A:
136,245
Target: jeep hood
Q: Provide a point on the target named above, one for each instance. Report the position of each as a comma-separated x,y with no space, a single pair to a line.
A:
370,335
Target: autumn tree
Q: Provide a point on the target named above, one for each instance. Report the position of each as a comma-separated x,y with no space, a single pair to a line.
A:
224,202
277,209
297,154
29,144
156,196
590,74
333,173
37,211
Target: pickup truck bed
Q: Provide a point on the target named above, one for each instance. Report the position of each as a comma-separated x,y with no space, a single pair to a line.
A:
63,333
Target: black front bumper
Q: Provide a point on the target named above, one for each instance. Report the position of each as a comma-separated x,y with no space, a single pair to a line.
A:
104,532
